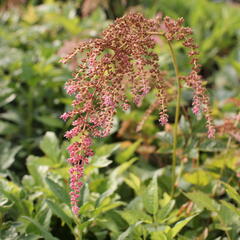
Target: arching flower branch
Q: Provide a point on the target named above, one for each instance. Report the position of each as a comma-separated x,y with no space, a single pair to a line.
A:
123,59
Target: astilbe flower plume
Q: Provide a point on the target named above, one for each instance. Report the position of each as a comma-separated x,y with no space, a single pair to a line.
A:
122,59
174,31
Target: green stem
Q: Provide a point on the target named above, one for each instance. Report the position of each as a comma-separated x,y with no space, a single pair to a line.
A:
177,113
78,233
29,114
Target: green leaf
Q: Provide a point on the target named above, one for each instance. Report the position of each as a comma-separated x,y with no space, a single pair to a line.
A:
37,171
198,177
203,200
232,192
132,216
165,211
231,207
85,208
179,226
50,121
58,191
127,233
150,197
212,146
134,182
8,231
184,125
105,150
12,192
106,207
42,230
5,204
127,153
43,215
29,237
84,194
7,154
101,162
121,169
50,146
85,224
159,236
165,137
100,159
228,216
57,210
7,128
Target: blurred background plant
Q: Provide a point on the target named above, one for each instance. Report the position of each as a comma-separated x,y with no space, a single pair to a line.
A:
127,190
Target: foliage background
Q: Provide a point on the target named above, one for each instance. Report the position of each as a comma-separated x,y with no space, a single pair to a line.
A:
127,190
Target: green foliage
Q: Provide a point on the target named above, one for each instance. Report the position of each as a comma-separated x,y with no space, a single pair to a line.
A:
150,197
126,194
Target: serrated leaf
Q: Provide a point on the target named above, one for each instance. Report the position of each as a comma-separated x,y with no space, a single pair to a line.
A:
132,216
150,197
104,208
212,146
231,207
179,226
203,200
232,192
13,192
134,182
228,216
165,211
58,191
126,234
42,230
59,212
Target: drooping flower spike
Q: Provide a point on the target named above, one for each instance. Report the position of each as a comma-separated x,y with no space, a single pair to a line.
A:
122,59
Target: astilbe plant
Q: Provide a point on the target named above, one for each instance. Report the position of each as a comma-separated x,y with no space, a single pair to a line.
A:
123,60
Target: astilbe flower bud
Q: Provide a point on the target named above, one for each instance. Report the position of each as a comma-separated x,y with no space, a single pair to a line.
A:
123,58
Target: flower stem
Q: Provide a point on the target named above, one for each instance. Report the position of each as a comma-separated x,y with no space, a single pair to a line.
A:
78,232
177,113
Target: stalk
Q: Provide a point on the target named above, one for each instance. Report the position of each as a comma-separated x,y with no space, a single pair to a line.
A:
78,234
29,114
177,113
